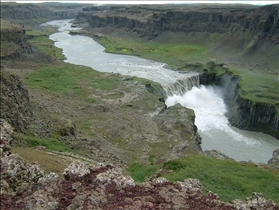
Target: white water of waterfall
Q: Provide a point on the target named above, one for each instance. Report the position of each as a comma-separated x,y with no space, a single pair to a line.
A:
216,131
182,85
209,107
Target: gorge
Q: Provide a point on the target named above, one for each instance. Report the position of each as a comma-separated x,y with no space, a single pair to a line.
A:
83,137
208,106
235,36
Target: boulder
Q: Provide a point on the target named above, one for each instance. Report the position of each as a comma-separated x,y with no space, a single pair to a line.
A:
274,161
5,138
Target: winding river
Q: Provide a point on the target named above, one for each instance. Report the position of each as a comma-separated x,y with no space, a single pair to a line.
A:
207,102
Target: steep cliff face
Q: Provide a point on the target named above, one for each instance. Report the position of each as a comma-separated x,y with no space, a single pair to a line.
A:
13,40
15,105
38,13
244,33
257,116
213,19
244,113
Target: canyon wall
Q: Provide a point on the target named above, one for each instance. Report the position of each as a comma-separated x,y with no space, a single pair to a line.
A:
242,33
243,113
13,40
31,14
247,114
245,35
15,105
187,18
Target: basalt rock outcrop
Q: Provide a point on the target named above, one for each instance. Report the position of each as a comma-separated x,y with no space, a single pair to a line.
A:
24,186
274,161
30,14
13,40
14,170
15,108
243,32
244,113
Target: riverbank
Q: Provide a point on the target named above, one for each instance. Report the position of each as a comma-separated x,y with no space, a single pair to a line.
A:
256,89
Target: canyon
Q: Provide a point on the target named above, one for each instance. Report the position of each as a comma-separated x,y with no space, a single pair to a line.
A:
234,35
131,108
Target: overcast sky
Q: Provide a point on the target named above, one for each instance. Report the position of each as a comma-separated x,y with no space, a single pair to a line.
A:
150,2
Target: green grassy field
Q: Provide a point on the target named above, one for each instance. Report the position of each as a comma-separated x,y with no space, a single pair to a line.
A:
228,178
140,171
66,77
257,85
175,55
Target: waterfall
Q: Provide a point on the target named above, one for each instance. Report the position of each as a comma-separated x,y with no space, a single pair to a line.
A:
180,87
183,84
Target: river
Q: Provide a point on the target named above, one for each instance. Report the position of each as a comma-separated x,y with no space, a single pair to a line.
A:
207,102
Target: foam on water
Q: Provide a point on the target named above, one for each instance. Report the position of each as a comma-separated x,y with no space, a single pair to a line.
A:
210,111
215,129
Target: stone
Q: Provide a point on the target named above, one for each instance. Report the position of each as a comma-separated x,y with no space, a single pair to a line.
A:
15,107
76,169
217,154
6,137
274,161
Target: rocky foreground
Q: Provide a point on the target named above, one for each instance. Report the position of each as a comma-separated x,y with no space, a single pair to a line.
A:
25,186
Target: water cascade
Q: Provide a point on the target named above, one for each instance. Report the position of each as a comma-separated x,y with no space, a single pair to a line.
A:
182,85
183,88
215,129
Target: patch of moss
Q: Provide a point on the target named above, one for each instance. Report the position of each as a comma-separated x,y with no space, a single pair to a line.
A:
140,171
91,100
48,143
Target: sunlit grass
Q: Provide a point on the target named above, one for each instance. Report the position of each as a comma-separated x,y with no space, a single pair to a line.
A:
45,45
48,143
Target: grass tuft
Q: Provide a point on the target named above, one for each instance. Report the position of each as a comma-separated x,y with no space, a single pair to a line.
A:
48,143
140,171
